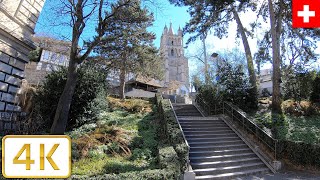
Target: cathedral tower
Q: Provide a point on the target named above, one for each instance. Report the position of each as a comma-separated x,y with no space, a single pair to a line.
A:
176,64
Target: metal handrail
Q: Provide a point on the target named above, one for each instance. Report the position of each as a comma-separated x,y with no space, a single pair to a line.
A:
184,138
243,118
200,101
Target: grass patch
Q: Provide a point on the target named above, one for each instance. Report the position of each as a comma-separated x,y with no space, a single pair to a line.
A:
130,105
105,164
122,140
297,127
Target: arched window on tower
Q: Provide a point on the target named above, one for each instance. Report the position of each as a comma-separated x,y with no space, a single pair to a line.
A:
172,52
172,43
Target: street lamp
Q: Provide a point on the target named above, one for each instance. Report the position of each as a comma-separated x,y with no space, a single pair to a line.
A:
216,56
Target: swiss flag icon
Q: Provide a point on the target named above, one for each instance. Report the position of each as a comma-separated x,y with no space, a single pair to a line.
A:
306,13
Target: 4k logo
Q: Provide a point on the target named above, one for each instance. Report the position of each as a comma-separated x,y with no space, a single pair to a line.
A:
305,13
36,156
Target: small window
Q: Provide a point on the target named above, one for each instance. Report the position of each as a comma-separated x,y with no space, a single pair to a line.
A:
171,42
39,66
172,52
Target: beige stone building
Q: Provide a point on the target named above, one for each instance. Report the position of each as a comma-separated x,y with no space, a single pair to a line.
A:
53,54
17,22
176,64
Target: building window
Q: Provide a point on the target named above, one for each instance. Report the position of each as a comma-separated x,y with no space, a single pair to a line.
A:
172,52
39,66
172,43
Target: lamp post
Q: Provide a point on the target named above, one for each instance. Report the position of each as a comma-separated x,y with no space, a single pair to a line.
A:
216,56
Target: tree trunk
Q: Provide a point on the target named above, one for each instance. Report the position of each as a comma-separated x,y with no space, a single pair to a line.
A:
252,74
205,60
62,112
122,82
276,76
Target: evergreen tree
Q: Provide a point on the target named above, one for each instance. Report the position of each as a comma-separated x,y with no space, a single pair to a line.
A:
129,46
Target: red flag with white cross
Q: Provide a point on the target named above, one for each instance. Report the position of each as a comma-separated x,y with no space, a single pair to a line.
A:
306,13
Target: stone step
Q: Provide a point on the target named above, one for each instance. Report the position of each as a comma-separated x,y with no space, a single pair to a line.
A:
200,118
221,158
202,155
212,137
201,122
214,148
225,163
203,125
229,169
215,143
188,114
205,128
208,132
233,175
223,137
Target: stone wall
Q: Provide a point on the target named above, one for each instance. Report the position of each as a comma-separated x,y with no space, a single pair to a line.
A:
17,21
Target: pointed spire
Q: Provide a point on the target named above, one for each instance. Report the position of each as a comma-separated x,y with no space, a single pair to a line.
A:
165,29
179,31
170,28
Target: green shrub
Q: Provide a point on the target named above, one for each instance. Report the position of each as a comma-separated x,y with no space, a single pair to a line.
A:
210,95
168,161
302,153
265,92
315,94
87,102
234,87
172,132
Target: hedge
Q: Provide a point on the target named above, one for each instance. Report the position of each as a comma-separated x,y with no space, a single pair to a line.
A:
301,153
171,130
169,164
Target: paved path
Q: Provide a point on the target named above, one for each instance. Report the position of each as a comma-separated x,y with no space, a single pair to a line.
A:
289,175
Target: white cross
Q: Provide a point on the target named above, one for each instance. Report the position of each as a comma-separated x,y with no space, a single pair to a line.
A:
306,13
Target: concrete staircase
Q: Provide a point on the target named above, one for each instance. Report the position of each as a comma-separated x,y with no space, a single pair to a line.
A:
216,152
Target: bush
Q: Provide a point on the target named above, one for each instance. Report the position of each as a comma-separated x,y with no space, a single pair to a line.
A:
315,94
303,108
210,95
297,85
172,131
302,153
265,92
233,86
88,100
169,164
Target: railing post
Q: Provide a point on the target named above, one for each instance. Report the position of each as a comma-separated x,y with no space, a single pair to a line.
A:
223,107
275,149
242,121
215,109
232,113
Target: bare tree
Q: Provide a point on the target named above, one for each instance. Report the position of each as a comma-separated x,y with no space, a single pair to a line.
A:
80,12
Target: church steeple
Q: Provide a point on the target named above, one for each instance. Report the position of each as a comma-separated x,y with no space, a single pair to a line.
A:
165,30
179,31
170,29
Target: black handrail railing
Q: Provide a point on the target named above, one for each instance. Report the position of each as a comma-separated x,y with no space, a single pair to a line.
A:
239,116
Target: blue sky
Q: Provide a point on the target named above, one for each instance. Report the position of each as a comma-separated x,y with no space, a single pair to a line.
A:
164,13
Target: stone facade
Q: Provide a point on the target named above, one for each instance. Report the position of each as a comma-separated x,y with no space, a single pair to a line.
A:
176,64
17,21
265,80
54,54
